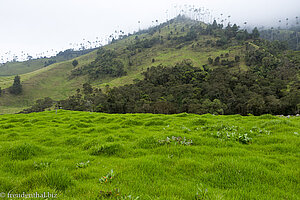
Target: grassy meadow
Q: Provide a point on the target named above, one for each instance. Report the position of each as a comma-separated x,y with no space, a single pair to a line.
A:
82,155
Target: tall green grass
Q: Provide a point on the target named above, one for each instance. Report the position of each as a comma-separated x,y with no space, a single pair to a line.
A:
185,156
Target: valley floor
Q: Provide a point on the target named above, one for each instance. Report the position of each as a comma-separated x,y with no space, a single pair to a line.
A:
82,155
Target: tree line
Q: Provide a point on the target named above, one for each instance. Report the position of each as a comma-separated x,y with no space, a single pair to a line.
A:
184,88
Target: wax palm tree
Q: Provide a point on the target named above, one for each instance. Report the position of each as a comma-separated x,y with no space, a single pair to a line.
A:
279,21
272,34
245,23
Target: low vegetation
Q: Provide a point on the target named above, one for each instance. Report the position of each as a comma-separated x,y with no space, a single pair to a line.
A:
83,155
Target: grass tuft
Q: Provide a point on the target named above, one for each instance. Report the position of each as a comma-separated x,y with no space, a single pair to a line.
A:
22,151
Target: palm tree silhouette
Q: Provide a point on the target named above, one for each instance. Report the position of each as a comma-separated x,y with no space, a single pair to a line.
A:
279,24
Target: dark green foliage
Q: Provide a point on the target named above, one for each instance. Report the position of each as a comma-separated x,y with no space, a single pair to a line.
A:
70,53
217,60
75,63
191,35
87,88
289,36
255,33
227,62
106,64
16,88
141,44
0,91
40,105
49,62
214,25
75,102
242,35
221,42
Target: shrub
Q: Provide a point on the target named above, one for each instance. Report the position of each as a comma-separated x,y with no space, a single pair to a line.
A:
75,63
16,88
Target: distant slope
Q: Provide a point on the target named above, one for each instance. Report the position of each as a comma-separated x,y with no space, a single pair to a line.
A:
137,53
17,68
51,81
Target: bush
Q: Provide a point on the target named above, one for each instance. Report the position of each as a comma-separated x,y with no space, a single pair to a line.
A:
40,105
16,88
75,63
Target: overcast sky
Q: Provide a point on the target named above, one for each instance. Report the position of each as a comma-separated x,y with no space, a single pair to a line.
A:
35,26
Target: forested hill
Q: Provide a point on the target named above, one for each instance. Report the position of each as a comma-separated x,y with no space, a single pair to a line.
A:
188,66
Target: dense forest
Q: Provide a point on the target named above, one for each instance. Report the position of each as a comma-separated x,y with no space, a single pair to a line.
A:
289,36
183,88
106,64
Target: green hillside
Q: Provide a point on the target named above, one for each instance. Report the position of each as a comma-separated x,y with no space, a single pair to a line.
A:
17,68
183,156
52,81
123,61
